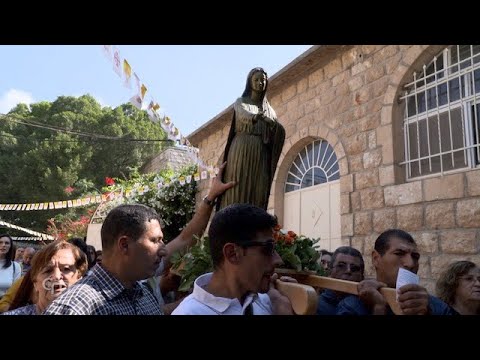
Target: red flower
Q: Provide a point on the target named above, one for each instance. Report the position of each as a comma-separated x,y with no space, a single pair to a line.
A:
109,181
68,190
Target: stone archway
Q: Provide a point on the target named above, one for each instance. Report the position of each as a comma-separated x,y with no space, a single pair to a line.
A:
390,134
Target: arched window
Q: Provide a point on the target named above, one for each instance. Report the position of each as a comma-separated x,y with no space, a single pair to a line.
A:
441,117
315,164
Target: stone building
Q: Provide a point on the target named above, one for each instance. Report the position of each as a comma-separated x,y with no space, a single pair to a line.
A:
377,137
173,157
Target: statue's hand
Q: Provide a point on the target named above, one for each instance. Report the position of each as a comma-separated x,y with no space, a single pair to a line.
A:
259,116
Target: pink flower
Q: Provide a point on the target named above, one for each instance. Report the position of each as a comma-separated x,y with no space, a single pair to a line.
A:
68,190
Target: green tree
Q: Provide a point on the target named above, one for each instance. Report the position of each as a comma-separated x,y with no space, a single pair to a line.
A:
40,159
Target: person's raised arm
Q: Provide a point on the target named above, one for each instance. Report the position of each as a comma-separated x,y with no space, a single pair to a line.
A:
200,220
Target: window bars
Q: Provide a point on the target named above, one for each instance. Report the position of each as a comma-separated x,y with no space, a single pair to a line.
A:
441,120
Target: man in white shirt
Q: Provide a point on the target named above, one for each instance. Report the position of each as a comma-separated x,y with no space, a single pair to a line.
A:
244,259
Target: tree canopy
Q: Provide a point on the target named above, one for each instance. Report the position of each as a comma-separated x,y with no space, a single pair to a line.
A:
71,142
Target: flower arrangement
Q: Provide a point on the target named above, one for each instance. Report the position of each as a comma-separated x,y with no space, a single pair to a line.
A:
297,252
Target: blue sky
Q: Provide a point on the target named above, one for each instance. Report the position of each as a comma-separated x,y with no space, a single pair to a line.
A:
192,83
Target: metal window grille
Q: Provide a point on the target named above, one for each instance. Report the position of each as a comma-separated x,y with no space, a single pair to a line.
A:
315,164
442,120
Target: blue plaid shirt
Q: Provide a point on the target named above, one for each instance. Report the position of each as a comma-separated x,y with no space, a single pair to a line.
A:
100,293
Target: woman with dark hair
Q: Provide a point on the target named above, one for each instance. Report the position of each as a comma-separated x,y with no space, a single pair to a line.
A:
253,147
9,269
54,268
459,287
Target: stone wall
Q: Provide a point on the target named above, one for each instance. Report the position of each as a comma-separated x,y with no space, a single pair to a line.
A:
174,158
348,95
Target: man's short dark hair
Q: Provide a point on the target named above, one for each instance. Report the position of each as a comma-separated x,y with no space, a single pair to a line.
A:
383,241
237,223
126,220
80,243
348,250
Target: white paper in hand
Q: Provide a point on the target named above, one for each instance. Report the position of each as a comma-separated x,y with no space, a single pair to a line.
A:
406,277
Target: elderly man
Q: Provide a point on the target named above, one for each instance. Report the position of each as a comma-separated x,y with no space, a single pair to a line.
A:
27,259
346,264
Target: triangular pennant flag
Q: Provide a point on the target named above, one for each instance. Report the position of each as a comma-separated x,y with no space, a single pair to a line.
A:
137,83
136,101
107,51
181,179
203,175
153,116
196,176
189,179
150,105
155,107
69,203
143,91
117,63
127,70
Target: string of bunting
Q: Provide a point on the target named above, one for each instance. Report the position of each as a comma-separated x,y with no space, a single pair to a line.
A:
124,70
119,192
40,235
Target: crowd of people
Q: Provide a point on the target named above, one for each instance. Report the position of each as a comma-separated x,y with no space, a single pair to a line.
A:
129,276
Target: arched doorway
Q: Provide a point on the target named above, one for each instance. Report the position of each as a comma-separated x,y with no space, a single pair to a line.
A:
312,195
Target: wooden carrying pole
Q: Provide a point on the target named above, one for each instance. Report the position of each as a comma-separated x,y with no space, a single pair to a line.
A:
304,298
350,287
298,296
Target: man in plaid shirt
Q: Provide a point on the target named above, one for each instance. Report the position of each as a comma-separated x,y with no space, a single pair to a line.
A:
132,242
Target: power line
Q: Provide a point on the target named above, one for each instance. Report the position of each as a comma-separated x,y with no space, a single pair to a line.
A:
78,133
30,138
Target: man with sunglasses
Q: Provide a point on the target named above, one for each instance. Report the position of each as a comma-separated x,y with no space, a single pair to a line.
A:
244,260
394,249
346,264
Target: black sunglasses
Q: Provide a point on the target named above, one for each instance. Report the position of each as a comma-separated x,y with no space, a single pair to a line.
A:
268,247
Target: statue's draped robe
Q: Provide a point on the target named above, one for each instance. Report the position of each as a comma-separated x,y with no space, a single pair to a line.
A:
252,152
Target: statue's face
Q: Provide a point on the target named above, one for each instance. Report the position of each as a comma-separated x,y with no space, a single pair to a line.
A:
259,81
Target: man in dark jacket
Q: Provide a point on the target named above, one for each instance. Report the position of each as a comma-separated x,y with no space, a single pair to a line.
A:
346,264
394,249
